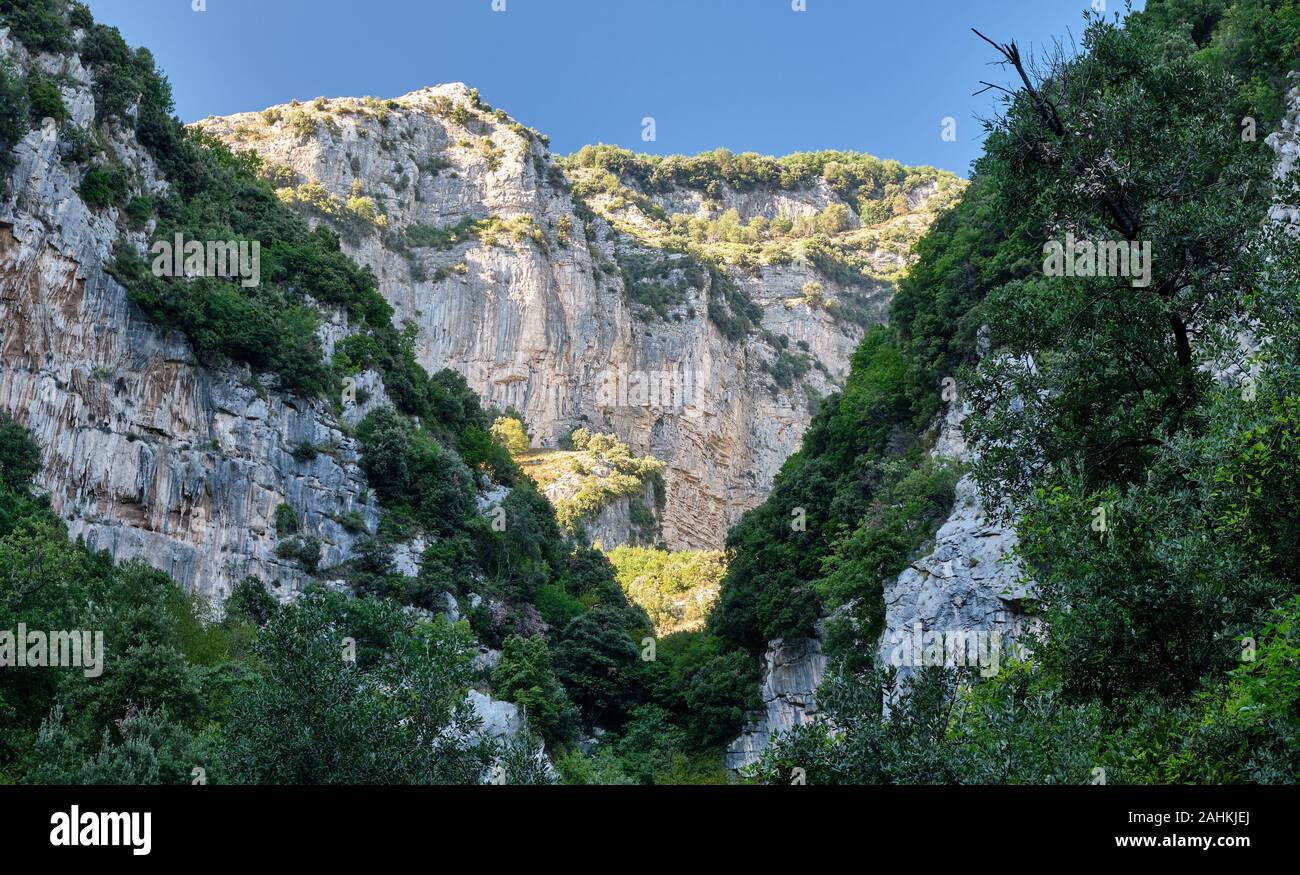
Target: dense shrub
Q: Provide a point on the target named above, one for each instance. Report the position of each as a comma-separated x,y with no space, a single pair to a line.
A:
525,676
40,24
598,663
413,474
44,100
20,457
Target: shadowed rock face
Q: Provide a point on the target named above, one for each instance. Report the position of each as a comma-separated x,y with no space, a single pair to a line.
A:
146,453
539,320
791,675
965,583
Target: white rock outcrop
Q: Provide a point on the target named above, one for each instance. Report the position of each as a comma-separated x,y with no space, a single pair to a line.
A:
1286,144
791,675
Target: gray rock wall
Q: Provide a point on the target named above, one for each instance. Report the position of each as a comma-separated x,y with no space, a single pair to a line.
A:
791,675
535,323
146,453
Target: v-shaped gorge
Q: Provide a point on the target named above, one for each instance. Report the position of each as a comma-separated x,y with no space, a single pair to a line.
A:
695,308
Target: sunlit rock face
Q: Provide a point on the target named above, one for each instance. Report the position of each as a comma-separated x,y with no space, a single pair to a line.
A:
152,454
535,312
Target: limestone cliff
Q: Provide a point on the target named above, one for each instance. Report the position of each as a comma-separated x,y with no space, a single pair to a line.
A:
564,290
791,675
147,454
969,581
965,581
513,266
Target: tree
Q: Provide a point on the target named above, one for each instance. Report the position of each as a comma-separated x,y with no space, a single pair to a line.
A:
648,743
20,457
249,602
1116,364
524,676
509,432
415,474
719,696
13,117
832,220
396,714
597,662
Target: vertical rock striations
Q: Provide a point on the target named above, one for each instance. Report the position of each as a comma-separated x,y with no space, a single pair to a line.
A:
147,454
553,287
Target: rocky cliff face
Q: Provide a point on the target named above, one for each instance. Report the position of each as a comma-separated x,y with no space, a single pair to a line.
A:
515,271
791,675
147,454
968,582
506,271
1286,143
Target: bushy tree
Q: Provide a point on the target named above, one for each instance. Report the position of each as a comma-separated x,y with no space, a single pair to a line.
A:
509,432
312,715
597,661
414,474
720,694
20,457
648,742
249,602
13,117
525,676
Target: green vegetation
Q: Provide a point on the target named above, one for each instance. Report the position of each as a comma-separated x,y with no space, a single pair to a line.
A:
102,187
354,216
1166,650
585,479
13,118
491,230
413,474
45,100
445,238
20,458
525,676
844,500
856,177
43,26
511,434
677,252
185,689
656,282
675,589
1182,672
181,689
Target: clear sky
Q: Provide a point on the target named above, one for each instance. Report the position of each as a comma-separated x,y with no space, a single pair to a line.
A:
751,75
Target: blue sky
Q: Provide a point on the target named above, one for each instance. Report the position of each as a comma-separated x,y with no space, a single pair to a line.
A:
750,75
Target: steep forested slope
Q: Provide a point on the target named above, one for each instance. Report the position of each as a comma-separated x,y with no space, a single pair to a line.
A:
1141,436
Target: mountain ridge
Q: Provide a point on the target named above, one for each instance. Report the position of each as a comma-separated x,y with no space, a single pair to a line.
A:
542,279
